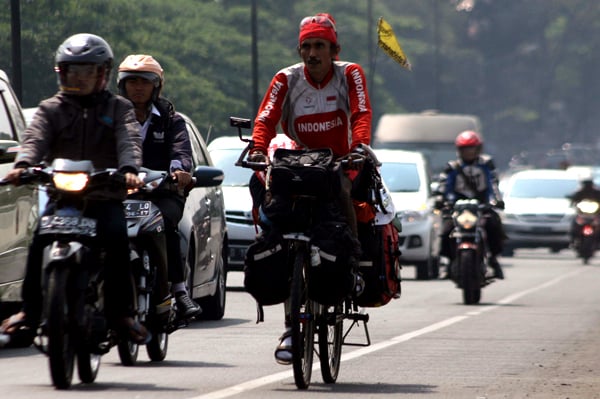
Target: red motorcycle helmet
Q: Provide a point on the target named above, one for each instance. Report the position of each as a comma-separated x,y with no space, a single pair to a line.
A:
468,138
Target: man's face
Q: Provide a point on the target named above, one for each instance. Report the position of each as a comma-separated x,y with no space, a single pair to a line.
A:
468,154
139,90
81,79
317,55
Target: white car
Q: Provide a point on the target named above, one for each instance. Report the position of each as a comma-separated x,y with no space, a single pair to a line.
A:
537,211
406,176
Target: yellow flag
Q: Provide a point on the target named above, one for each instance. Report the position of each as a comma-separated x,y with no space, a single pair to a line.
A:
388,42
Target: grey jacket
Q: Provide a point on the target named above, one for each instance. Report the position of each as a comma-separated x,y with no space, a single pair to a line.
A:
101,128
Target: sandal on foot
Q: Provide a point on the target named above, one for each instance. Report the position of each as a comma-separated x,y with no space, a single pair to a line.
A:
17,330
283,351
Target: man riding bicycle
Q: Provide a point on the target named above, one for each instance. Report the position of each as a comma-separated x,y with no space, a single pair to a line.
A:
321,102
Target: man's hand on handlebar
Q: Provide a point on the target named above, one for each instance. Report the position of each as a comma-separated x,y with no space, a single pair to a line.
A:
258,157
132,180
13,176
182,178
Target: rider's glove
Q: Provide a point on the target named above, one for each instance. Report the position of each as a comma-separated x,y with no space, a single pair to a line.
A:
257,157
500,204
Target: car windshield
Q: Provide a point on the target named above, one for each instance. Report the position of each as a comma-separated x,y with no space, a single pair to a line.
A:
543,188
234,175
401,177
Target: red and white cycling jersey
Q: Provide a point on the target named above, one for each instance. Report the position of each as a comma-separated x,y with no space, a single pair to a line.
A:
335,113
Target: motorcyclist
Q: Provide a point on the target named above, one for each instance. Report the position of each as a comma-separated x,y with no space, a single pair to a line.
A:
166,146
85,121
587,191
321,102
472,176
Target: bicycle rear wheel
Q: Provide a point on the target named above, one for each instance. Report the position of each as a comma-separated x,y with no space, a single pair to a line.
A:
303,324
330,330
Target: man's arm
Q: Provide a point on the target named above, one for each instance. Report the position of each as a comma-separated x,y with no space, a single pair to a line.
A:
269,113
128,137
181,148
360,106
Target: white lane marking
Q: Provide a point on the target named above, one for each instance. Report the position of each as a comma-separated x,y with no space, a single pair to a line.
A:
269,379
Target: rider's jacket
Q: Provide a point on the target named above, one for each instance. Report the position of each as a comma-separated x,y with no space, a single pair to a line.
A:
166,142
335,113
476,180
101,128
592,194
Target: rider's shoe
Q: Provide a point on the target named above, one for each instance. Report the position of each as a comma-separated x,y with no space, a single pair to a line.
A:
165,312
186,306
283,351
495,265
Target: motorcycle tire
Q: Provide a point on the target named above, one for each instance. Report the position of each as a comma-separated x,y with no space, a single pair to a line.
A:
128,352
157,347
470,277
61,342
88,365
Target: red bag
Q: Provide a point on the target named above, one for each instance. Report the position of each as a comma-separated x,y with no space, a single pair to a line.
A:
379,264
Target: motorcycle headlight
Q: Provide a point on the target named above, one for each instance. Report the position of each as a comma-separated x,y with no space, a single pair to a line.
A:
466,219
588,206
70,181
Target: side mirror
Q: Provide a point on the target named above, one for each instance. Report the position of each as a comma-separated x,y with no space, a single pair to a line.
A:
208,176
8,150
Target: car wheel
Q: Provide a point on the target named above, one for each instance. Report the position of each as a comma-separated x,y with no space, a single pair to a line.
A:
508,252
423,269
213,307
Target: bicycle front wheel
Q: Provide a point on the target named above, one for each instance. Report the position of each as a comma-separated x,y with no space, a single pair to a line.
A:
330,330
303,324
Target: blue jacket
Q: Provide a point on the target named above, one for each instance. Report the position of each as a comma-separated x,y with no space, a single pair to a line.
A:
476,180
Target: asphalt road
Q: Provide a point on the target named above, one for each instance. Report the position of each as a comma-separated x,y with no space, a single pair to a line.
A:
535,335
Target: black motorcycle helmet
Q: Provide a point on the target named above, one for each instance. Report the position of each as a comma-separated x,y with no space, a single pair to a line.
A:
84,48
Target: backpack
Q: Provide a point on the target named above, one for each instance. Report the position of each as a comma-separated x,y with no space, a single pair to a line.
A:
379,264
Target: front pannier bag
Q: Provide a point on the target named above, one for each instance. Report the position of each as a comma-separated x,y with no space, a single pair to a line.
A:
267,274
330,277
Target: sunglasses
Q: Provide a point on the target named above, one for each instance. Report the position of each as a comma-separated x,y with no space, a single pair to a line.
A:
84,71
318,19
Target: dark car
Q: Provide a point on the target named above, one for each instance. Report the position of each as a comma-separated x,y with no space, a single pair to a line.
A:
204,233
18,205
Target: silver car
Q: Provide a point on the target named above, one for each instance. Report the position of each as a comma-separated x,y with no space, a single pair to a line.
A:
537,211
224,152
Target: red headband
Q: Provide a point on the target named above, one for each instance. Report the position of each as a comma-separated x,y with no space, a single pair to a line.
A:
320,26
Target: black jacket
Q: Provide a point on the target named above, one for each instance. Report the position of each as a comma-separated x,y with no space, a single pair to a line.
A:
167,140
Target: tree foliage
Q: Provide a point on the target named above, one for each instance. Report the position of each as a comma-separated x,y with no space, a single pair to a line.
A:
526,67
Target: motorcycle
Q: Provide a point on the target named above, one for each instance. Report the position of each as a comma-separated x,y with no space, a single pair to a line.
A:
469,267
74,327
148,254
587,224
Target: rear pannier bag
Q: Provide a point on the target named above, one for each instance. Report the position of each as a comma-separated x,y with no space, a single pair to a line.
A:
303,172
267,273
331,279
379,264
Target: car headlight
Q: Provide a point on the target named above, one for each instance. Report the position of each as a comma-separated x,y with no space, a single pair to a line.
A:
70,181
411,216
466,219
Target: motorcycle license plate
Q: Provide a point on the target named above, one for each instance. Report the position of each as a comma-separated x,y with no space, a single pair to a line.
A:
54,224
137,209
